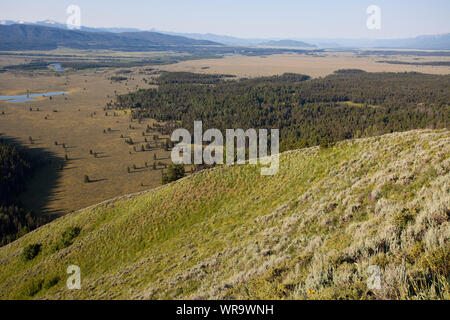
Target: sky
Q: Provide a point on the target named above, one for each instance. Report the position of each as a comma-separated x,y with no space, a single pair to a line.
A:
248,18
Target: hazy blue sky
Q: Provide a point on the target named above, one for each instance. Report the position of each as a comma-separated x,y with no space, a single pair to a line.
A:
247,18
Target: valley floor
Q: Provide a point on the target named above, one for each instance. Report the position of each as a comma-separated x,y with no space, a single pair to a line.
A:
316,65
78,121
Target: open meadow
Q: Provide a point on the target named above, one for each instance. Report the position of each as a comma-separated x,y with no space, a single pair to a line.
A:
73,125
314,64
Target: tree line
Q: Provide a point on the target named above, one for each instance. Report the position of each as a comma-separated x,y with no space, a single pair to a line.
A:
16,167
344,105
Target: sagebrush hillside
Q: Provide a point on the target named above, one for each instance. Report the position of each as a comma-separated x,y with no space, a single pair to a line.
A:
309,232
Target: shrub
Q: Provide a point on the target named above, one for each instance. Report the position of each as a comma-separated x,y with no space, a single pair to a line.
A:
380,260
437,261
325,143
415,252
402,218
34,287
174,172
67,238
48,283
31,251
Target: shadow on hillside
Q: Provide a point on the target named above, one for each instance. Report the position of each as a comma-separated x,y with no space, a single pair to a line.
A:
40,189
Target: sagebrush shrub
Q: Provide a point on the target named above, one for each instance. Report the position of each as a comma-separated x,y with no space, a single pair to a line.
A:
31,251
67,238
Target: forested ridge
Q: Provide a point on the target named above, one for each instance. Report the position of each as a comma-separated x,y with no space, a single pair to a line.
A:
344,105
16,166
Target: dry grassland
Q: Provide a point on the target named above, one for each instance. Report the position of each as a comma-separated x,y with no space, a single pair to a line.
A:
319,65
75,124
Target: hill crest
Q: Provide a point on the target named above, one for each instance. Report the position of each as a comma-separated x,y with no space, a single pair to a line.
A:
231,233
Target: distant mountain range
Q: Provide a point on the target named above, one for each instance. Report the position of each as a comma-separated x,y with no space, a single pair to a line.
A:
287,43
425,42
55,24
430,42
227,40
37,37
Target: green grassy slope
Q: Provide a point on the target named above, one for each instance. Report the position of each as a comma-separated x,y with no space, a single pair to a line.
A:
231,233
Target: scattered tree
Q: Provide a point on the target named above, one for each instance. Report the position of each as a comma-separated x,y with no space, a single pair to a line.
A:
325,143
174,172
